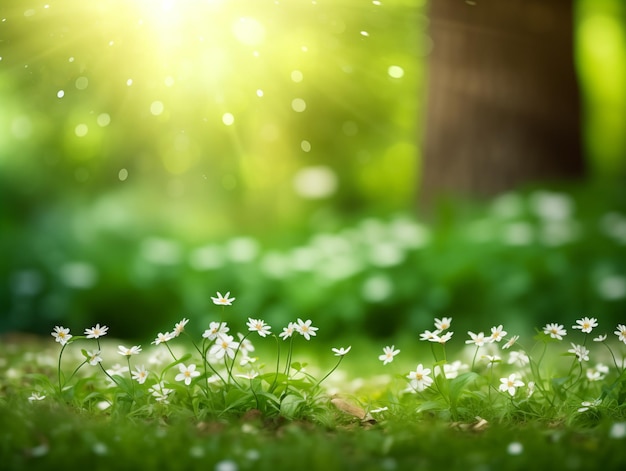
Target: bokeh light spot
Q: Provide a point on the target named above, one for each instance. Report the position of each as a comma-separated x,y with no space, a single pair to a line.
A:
81,130
395,71
297,76
228,119
157,108
103,119
315,182
298,105
81,83
22,127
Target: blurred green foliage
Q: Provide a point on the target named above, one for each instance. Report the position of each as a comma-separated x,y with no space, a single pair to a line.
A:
601,58
527,259
152,153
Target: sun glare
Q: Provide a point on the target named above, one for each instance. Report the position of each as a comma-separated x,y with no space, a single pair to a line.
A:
252,90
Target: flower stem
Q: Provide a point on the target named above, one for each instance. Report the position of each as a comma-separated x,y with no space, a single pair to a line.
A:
59,367
170,350
132,383
277,364
474,359
106,373
329,373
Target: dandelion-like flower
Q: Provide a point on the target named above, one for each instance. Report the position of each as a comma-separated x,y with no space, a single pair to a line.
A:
179,328
586,324
160,392
388,354
215,329
187,373
339,352
245,345
224,345
249,375
420,379
519,358
510,342
554,330
497,333
586,405
451,370
598,373
305,328
443,323
288,331
245,348
96,332
140,374
580,351
510,384
93,357
135,350
36,397
223,300
247,359
258,325
163,337
491,359
621,332
117,370
430,336
477,339
61,334
442,338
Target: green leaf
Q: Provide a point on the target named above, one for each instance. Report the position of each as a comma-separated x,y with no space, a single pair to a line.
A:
557,385
430,405
461,381
269,378
182,359
289,405
237,397
296,365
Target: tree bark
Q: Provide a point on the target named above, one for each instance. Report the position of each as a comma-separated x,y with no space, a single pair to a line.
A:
503,105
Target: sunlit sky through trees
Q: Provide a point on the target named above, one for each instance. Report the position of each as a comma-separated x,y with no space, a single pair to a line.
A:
211,106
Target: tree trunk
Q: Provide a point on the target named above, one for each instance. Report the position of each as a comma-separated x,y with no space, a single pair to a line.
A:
503,105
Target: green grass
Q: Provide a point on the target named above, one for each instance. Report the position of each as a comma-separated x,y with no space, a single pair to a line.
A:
44,436
362,417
